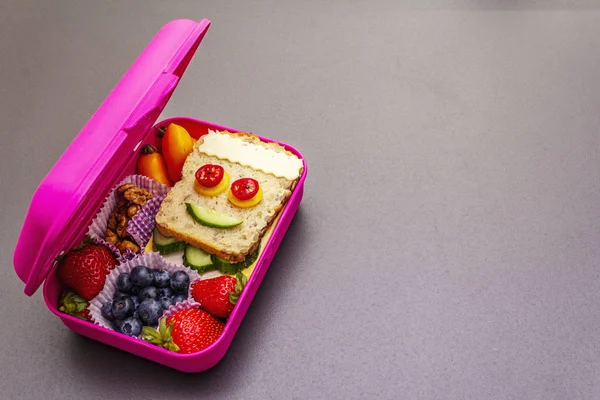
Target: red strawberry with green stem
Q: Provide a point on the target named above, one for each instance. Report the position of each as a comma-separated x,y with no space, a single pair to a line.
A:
186,331
84,268
219,295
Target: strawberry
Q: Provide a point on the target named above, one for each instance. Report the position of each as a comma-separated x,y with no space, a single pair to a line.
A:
219,295
73,304
186,331
84,268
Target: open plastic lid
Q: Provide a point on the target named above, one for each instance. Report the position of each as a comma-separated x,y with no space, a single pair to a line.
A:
74,189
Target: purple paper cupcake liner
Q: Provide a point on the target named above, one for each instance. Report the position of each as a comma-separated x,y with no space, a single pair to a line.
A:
142,224
97,229
121,257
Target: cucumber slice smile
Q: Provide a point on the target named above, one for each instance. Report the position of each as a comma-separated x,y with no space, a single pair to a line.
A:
211,218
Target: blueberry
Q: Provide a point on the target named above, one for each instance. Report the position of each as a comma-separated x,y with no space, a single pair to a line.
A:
118,294
180,282
141,276
149,292
136,302
107,311
135,290
124,283
131,326
117,324
150,311
179,298
161,278
122,307
165,292
166,302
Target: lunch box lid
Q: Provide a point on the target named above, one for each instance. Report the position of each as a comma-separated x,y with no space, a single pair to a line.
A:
73,190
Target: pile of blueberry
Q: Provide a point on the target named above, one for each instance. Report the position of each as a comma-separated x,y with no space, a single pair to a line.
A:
142,296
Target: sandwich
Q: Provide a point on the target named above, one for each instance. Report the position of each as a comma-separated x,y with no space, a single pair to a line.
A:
232,188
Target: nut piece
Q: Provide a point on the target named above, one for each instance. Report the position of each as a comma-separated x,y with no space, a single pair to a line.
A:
137,195
121,224
112,223
121,189
126,244
132,210
111,237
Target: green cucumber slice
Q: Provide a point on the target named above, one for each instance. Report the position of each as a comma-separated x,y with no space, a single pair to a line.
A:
164,244
229,268
211,218
198,259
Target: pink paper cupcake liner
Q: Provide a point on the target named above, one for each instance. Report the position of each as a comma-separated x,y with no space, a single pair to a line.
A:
151,260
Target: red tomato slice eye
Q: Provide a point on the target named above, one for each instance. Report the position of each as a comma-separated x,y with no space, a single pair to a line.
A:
244,188
210,175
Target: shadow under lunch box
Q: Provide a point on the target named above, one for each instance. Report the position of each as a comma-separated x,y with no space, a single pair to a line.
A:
103,153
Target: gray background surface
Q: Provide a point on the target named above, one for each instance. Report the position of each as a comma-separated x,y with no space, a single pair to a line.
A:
448,243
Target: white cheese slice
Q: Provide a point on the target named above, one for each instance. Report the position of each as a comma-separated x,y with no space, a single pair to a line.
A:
235,149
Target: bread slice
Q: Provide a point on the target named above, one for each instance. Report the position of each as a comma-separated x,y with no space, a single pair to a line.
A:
232,244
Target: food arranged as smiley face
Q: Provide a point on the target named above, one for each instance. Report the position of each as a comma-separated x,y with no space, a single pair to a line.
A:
233,186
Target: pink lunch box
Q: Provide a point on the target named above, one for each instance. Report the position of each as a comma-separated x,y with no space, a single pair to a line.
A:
102,154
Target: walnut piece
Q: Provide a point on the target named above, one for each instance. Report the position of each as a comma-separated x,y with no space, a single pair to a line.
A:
132,210
126,244
137,195
125,187
112,223
121,224
111,237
